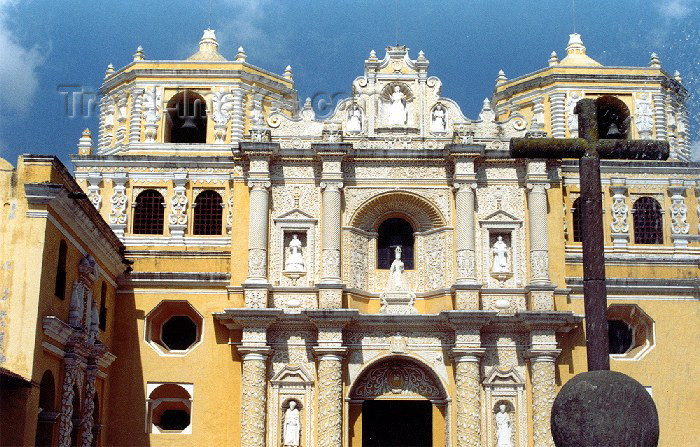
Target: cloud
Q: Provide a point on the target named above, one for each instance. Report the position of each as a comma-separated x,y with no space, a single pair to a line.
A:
674,9
18,66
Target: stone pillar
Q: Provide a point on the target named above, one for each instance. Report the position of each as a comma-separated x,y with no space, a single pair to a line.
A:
117,216
254,396
619,226
331,287
256,285
679,214
88,406
135,116
177,220
72,375
537,219
543,394
466,287
468,405
330,353
330,397
558,112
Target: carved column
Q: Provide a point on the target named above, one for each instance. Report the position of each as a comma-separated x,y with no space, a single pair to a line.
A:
558,112
89,406
237,116
117,216
256,285
135,116
468,405
619,226
537,213
330,287
72,375
177,220
543,394
660,116
679,214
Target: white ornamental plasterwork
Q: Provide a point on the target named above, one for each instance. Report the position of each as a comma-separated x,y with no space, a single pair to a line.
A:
505,351
197,191
293,171
136,190
229,213
571,118
501,171
253,403
439,197
178,207
679,213
357,358
152,104
292,347
356,260
119,201
368,171
435,255
379,338
223,106
294,301
93,180
255,298
109,107
397,377
303,197
644,115
620,210
256,262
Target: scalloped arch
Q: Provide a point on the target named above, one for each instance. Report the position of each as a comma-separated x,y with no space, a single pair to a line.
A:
423,214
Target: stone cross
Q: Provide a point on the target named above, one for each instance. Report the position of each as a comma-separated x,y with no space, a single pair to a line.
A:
590,150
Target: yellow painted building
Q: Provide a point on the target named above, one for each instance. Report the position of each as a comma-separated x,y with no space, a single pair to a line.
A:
386,273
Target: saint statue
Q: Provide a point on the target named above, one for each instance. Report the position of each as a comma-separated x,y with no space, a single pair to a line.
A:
396,279
292,427
503,428
438,121
295,259
354,123
500,256
397,108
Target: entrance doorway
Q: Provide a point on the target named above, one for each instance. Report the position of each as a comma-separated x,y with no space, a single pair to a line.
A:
397,423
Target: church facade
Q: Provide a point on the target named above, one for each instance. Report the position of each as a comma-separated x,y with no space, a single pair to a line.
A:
385,275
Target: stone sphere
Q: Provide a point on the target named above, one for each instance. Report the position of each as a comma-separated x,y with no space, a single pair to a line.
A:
604,408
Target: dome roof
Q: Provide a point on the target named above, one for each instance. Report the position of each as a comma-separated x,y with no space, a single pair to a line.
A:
207,48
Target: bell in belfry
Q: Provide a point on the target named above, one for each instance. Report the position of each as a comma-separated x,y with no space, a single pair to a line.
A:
614,132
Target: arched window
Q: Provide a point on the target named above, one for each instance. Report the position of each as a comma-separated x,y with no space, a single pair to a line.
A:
648,224
208,213
187,119
148,213
47,411
103,307
394,232
613,118
576,214
60,286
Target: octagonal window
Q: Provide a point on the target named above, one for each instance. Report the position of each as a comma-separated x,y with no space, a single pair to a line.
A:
174,328
630,332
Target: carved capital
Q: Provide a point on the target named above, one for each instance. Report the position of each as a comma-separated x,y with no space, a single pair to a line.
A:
331,186
259,185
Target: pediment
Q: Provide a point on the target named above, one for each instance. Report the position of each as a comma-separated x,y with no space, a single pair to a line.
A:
296,215
293,373
499,376
501,216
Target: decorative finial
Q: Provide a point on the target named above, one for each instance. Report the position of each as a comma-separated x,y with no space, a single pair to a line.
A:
372,55
139,56
241,56
85,143
110,71
654,61
553,59
677,76
288,73
307,104
421,55
501,77
486,105
575,45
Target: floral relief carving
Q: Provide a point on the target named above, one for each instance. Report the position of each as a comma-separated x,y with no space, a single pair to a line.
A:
257,262
543,394
118,200
330,391
679,214
73,377
178,207
256,298
253,401
468,404
396,377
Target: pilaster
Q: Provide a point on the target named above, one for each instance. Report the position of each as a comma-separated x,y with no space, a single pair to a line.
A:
117,216
619,226
558,113
679,214
543,393
177,220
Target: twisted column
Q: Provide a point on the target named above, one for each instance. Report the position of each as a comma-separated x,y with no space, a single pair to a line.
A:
543,394
71,378
330,238
330,398
88,406
468,405
254,397
464,232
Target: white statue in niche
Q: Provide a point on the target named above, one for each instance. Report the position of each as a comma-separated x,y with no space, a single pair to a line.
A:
396,278
397,108
292,426
504,430
354,123
438,120
500,256
295,258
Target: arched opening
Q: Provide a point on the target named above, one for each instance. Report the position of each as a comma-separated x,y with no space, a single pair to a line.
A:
576,214
187,119
392,233
47,411
613,118
149,213
60,286
169,407
397,401
647,220
208,213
